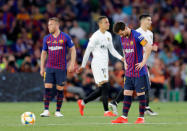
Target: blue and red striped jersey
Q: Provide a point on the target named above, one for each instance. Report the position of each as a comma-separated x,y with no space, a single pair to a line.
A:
57,50
133,50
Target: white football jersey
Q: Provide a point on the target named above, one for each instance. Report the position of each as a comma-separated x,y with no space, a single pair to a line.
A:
148,35
99,44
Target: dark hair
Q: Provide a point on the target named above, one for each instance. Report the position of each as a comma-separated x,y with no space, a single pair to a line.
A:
100,18
55,19
118,26
144,16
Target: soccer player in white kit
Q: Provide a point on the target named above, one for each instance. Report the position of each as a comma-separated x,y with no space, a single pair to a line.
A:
145,23
99,44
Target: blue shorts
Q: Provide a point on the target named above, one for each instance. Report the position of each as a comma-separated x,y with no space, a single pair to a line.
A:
139,84
55,76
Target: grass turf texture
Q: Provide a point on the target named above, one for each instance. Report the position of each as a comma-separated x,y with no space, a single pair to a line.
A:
172,117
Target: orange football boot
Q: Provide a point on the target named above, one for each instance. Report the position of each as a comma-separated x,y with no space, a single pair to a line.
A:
139,120
109,113
81,107
120,120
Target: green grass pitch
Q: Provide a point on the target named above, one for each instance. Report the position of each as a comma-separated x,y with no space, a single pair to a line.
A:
172,117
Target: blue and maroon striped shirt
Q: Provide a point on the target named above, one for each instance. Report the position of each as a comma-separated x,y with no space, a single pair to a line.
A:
57,50
133,49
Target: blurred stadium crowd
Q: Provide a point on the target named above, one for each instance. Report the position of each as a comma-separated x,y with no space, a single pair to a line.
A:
23,25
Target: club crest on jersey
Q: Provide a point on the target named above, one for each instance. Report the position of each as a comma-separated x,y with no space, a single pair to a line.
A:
102,46
55,42
131,43
61,41
108,38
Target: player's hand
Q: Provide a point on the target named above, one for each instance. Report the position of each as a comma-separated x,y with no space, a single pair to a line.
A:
79,70
155,48
123,59
139,66
125,64
71,68
42,70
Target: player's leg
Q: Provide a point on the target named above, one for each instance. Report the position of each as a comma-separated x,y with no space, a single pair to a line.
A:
95,94
148,109
96,69
142,103
101,76
81,103
147,98
48,83
113,104
59,101
128,92
104,94
140,87
104,85
119,97
60,77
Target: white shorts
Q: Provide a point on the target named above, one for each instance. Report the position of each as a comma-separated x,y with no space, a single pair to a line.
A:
100,73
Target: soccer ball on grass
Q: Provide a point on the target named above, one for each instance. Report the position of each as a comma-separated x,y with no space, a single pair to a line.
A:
28,118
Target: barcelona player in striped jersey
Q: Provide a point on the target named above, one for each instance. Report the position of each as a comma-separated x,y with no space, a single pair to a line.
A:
135,69
55,47
145,24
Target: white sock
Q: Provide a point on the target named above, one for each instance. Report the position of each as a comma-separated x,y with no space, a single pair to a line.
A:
124,117
106,111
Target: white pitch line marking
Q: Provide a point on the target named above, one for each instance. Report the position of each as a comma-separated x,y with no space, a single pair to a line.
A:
66,124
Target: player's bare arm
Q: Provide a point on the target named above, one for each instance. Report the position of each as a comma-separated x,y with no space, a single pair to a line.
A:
73,57
124,60
148,49
80,70
43,59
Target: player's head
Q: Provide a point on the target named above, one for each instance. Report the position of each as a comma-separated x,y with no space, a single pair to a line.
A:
145,20
103,23
53,24
121,29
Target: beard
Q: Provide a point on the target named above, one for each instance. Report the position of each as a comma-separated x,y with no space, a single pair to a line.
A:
148,26
126,35
52,31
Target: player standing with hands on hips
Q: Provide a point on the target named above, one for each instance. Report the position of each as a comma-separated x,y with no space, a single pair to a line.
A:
135,69
145,24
